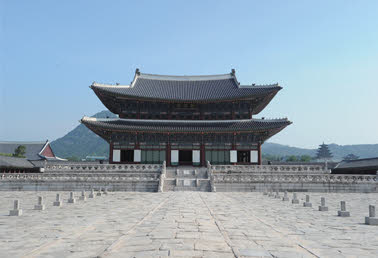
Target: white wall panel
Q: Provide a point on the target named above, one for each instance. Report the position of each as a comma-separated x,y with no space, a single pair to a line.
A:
116,155
233,156
196,156
137,156
174,156
254,156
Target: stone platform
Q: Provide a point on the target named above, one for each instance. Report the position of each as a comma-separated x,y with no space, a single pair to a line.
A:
186,224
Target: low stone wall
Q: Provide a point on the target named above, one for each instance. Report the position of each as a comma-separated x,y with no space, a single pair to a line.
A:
296,182
139,182
103,168
311,169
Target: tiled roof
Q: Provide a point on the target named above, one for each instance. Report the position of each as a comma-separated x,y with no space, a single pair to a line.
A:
358,164
31,152
13,162
186,88
141,125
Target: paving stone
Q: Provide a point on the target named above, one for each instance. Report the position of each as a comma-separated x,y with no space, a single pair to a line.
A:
254,253
211,246
204,224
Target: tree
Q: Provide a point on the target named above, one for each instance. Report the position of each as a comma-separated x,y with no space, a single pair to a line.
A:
72,158
324,152
19,151
305,158
350,157
292,158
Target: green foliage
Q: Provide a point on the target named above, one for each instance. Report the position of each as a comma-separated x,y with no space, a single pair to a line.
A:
6,154
72,158
305,158
292,158
268,157
19,151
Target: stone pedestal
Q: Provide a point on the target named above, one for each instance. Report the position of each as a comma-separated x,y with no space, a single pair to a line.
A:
57,202
82,197
40,205
72,198
16,209
295,199
285,198
343,212
322,206
277,195
92,194
99,193
270,193
371,220
307,203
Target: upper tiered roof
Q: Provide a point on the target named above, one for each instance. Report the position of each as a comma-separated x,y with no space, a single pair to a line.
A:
205,88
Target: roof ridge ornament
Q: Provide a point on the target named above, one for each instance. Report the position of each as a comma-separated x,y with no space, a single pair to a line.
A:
137,72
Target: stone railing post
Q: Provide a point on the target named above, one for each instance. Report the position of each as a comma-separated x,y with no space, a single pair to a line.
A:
162,177
210,177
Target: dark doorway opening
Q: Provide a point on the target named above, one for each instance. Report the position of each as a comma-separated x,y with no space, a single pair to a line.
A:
185,157
127,155
244,156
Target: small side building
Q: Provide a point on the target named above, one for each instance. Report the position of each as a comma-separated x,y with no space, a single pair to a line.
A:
36,154
34,151
359,166
17,165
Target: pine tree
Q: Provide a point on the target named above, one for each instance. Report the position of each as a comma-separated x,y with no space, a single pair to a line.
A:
323,152
19,151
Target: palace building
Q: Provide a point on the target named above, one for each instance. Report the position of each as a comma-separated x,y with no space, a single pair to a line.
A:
185,120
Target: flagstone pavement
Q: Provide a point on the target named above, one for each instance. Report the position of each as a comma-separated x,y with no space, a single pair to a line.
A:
187,224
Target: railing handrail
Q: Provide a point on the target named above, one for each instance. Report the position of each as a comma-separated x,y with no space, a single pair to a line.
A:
270,168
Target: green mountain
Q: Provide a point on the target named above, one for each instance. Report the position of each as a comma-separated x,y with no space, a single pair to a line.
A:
338,151
82,142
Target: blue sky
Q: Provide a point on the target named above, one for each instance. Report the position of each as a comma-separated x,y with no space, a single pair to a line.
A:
323,53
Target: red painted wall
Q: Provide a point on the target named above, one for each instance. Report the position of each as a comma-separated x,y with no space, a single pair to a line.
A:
47,152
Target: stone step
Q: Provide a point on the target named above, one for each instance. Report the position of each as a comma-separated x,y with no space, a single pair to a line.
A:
189,188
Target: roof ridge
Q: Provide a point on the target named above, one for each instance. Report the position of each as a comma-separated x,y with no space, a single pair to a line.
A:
22,142
185,77
86,118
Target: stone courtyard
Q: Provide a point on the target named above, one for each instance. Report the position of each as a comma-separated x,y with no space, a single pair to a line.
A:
187,224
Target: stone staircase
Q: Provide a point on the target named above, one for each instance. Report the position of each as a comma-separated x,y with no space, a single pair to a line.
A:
186,179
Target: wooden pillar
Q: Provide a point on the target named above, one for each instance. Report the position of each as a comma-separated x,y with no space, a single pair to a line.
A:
259,153
111,153
202,150
168,152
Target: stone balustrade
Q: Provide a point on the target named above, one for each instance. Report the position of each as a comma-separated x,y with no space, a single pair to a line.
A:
81,177
294,178
103,168
319,169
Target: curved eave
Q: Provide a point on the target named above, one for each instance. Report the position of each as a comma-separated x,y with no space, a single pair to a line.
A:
185,126
267,97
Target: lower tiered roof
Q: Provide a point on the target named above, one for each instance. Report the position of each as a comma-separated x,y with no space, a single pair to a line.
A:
272,126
